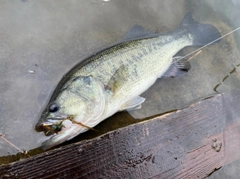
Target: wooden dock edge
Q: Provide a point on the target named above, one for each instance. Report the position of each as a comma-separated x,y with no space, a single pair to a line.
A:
188,143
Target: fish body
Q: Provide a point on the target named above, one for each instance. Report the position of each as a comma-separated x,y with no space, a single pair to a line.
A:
112,80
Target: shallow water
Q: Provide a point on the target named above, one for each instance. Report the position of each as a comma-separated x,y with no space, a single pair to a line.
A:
40,43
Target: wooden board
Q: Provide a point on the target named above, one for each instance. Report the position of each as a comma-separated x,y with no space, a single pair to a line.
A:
189,143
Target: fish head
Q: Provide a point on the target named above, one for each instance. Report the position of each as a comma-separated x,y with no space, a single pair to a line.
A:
78,106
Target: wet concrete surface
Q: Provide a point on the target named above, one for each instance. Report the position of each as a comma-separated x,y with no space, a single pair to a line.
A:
42,40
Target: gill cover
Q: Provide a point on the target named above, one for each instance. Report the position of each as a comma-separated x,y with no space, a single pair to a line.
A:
82,98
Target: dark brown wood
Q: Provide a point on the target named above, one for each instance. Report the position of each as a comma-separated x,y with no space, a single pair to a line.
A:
189,143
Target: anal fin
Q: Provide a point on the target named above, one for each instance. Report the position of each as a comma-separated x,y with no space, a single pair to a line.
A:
179,67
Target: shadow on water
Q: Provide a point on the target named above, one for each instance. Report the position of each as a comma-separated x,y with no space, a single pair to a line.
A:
214,66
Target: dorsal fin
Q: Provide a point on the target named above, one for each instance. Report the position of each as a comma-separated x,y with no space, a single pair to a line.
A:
138,32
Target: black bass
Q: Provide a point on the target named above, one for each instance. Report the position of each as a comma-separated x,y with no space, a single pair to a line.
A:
112,79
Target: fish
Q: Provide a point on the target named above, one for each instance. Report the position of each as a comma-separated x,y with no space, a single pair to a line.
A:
113,79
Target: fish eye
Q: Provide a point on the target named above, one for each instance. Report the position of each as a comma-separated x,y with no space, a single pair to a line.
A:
54,107
88,79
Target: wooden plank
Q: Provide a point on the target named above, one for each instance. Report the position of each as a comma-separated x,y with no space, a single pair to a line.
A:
189,143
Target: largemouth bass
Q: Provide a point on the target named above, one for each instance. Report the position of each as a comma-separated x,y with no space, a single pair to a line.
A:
112,79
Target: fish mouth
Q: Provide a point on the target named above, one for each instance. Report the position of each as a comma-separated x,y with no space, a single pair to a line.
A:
65,135
55,125
52,125
61,129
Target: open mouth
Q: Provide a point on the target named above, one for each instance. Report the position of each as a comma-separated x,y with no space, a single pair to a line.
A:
50,128
53,125
61,130
56,125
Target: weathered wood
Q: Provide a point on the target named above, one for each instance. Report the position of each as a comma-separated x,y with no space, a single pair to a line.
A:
189,143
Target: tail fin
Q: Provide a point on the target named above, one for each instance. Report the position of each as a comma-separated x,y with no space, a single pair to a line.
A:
202,34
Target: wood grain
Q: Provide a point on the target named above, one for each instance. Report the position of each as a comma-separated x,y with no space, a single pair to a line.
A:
189,143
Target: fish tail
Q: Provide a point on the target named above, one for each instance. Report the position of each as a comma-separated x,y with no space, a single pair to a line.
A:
201,34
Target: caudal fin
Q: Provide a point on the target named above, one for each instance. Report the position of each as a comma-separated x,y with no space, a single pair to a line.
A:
202,34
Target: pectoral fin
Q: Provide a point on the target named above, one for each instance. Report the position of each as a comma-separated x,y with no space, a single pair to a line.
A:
133,104
118,79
